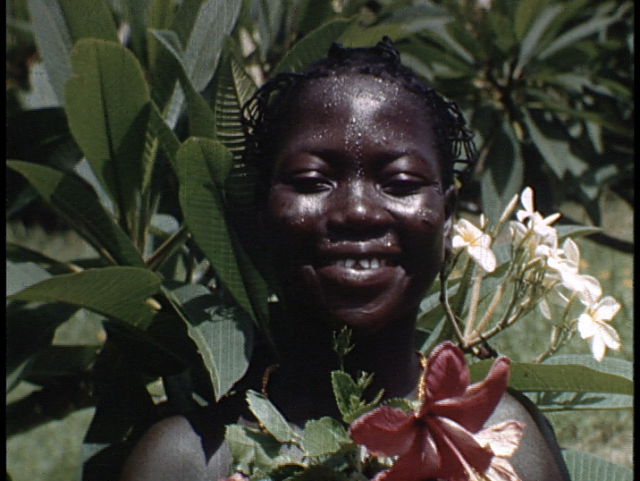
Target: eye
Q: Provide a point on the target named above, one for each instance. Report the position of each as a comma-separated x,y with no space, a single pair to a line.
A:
403,184
310,182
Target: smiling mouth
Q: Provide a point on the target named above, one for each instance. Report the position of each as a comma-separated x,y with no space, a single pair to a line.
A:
362,263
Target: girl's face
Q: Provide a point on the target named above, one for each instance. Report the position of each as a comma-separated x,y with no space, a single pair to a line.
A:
357,215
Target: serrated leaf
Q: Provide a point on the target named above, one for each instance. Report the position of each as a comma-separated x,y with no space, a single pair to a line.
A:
324,436
587,467
232,88
123,292
343,388
565,377
108,106
78,203
269,416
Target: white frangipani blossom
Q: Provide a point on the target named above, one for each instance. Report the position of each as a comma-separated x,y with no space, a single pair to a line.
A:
476,242
541,226
592,324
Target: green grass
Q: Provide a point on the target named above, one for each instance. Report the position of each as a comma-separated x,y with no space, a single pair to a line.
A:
53,452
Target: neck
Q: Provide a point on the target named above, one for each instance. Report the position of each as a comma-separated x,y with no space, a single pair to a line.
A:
306,362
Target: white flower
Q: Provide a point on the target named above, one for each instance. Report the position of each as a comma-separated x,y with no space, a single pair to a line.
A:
592,325
477,243
540,225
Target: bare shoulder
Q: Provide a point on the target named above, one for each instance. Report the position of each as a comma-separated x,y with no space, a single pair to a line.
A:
173,449
539,457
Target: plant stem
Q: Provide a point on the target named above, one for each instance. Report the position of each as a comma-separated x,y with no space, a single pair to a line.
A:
168,247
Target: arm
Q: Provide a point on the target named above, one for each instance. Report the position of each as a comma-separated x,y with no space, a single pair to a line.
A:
539,457
171,450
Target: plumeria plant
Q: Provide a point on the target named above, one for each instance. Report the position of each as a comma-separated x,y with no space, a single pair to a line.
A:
536,271
508,271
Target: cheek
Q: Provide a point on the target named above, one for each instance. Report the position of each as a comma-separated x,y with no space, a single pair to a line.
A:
293,215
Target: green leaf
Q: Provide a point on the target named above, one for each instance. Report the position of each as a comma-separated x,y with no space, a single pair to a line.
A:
122,292
201,119
232,88
357,35
580,32
214,21
30,329
312,47
202,166
166,136
531,40
223,334
324,436
587,467
61,360
344,387
53,41
504,173
269,416
78,203
318,473
557,153
558,401
576,230
88,19
525,12
251,447
108,106
565,377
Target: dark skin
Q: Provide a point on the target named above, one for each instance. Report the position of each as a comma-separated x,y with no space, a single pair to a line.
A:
360,224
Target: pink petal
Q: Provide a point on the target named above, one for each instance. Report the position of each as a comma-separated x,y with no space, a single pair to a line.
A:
445,376
501,470
385,431
458,449
420,462
473,408
503,438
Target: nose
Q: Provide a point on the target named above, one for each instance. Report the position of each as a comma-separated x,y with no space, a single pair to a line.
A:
357,211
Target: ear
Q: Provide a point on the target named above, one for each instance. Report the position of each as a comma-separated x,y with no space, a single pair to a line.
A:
450,202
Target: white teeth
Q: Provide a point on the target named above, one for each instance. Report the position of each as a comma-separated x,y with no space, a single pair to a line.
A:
373,263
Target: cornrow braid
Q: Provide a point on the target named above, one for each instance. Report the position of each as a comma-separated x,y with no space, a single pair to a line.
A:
261,114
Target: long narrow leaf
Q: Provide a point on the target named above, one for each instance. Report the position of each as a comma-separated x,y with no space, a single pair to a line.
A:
78,203
88,19
587,467
201,119
531,41
116,292
201,166
312,47
565,377
108,106
54,42
577,33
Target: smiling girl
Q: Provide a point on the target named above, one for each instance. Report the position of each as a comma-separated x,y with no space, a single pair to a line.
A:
356,198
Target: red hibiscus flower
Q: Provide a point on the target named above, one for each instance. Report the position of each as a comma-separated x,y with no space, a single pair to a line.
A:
437,440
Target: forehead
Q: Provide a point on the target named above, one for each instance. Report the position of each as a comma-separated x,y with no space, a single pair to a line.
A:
349,107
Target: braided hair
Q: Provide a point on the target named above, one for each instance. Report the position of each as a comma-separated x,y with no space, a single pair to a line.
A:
263,113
